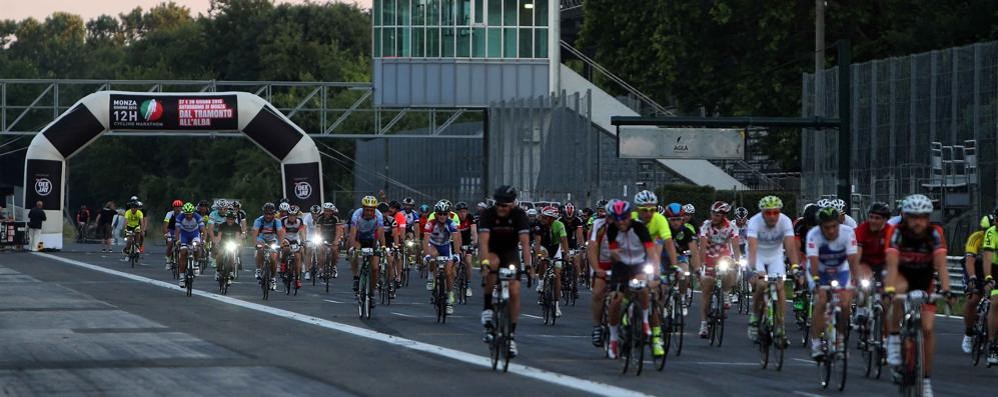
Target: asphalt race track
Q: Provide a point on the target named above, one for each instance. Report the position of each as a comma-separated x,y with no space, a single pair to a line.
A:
79,322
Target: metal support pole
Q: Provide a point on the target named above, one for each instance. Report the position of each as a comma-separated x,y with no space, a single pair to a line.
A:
845,119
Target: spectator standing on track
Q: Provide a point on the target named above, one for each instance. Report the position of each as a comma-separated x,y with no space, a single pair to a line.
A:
104,219
82,219
35,218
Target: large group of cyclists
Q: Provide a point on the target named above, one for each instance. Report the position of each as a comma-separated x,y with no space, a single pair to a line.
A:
871,286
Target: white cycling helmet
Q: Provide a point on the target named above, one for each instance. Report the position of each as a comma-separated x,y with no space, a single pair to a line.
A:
689,209
917,204
645,197
839,204
328,206
824,203
531,212
284,207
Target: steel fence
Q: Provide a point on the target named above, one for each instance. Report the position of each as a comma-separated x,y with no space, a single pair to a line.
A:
900,107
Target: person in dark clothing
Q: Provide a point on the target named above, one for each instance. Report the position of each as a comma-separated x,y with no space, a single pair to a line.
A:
82,219
35,218
104,219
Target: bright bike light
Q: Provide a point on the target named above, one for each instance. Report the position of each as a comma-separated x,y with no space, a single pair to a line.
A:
512,268
865,283
743,262
231,246
835,283
410,243
723,265
317,239
649,269
273,246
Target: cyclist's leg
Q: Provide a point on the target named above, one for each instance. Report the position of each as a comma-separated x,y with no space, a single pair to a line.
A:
558,264
375,263
599,295
706,292
818,319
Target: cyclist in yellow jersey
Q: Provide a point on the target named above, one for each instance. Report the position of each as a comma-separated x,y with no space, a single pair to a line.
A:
988,246
972,269
453,217
658,229
133,223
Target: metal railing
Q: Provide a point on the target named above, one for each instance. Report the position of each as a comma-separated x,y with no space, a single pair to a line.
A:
634,92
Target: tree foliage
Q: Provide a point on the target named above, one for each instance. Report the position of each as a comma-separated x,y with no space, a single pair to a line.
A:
743,57
236,40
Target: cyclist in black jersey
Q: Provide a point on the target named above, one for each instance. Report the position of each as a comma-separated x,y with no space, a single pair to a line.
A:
393,238
576,240
330,230
503,229
228,232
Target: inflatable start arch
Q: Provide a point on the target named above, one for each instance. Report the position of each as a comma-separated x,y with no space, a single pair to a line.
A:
97,113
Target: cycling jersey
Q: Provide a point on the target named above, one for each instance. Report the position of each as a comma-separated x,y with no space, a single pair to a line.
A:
216,218
366,228
170,219
832,255
873,244
630,245
682,237
326,226
441,232
658,227
572,225
551,236
597,234
718,239
292,229
990,241
849,221
894,220
769,246
389,227
133,218
504,233
189,229
801,227
229,232
411,219
465,228
916,254
267,230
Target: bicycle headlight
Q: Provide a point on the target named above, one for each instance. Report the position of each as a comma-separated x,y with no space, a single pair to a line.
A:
273,246
512,268
835,283
743,262
410,243
231,246
317,239
723,265
865,283
649,269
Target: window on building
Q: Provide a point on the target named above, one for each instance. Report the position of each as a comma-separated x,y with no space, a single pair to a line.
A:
478,43
495,42
448,42
433,42
526,13
509,43
418,42
509,12
540,43
540,12
463,42
479,11
495,12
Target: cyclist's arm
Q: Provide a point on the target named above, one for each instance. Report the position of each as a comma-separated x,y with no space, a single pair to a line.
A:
853,255
892,258
592,252
736,247
483,251
474,234
789,245
987,257
426,242
579,235
456,241
525,247
670,249
353,237
753,248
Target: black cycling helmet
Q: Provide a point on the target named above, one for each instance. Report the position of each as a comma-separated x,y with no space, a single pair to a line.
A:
408,201
504,194
810,214
383,206
230,215
602,204
828,214
204,203
269,207
282,200
880,208
461,205
394,204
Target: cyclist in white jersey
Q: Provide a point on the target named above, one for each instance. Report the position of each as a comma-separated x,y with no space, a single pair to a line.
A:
770,237
832,253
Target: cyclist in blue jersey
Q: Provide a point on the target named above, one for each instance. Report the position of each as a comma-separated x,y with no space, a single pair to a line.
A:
189,228
441,238
169,227
366,231
267,230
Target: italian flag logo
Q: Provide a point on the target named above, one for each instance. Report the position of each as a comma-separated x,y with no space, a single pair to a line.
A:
151,109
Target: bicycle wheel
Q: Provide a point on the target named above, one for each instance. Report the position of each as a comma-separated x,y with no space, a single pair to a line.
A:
720,329
496,343
914,359
666,331
326,275
624,342
778,350
637,338
679,322
265,280
979,345
764,349
506,329
659,362
842,360
825,368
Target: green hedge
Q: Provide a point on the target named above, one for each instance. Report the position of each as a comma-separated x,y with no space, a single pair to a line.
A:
702,197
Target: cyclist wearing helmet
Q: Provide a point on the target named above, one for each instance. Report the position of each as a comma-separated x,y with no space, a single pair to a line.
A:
367,231
392,238
282,211
871,238
574,226
687,245
441,239
741,221
240,215
630,249
689,210
189,228
802,225
295,231
424,216
833,258
135,222
844,217
469,238
503,229
916,248
267,230
720,243
550,244
972,268
228,231
988,266
411,216
330,230
169,225
771,239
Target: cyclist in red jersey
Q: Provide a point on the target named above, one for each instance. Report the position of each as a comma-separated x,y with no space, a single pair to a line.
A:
872,236
915,249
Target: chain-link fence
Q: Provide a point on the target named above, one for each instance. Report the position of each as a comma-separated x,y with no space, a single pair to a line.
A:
900,107
549,149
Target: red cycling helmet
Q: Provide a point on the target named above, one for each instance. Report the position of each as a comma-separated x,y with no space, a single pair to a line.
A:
550,211
178,203
720,206
619,210
674,210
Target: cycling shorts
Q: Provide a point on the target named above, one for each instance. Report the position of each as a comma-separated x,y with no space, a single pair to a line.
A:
825,278
371,244
622,275
919,278
773,266
188,238
442,250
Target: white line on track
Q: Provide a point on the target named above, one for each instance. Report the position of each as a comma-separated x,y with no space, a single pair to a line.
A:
531,316
554,378
807,394
331,301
